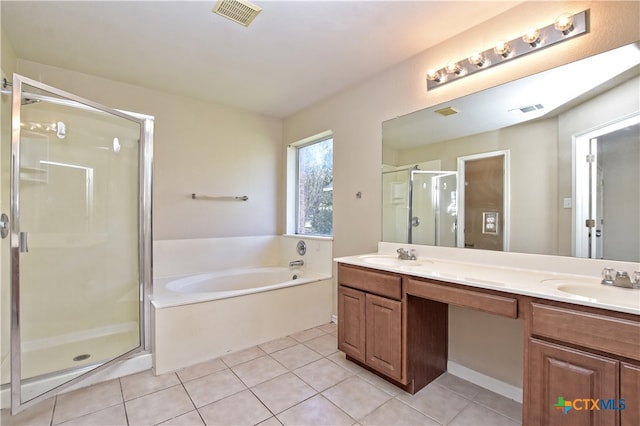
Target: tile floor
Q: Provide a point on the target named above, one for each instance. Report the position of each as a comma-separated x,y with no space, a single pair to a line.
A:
300,379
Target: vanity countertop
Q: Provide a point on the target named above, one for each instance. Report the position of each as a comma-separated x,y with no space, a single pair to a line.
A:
563,287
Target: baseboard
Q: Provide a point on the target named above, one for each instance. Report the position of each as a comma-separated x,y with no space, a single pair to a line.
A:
487,382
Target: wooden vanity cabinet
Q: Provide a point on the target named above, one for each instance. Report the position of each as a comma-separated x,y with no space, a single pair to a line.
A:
582,355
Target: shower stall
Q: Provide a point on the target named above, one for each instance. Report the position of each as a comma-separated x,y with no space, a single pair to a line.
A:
422,205
76,204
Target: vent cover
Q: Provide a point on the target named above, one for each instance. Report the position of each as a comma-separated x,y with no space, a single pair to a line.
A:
447,111
240,11
526,109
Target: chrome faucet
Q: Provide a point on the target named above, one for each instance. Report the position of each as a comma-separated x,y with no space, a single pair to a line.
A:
621,278
296,263
406,255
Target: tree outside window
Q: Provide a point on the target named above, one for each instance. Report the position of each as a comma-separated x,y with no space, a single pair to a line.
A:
315,188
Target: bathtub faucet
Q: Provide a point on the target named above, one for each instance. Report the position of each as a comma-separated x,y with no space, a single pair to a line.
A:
296,263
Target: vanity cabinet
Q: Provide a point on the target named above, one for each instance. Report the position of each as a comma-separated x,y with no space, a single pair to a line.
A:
581,357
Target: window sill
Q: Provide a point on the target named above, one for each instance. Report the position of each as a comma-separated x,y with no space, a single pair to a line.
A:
309,237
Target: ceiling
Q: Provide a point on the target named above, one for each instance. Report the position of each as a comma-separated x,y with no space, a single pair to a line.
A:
294,54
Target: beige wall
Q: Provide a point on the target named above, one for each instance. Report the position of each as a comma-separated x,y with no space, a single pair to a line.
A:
198,147
356,116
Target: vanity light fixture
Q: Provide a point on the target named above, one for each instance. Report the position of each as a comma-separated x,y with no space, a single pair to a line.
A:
565,26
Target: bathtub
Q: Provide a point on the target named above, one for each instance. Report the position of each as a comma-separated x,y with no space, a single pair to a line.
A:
202,316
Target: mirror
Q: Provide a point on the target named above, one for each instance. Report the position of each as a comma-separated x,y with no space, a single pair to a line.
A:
568,140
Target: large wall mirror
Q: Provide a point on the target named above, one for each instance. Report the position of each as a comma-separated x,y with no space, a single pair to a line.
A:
548,164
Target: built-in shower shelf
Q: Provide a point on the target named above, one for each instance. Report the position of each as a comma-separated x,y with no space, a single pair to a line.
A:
33,174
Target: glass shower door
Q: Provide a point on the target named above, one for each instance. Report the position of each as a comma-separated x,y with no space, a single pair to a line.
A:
78,238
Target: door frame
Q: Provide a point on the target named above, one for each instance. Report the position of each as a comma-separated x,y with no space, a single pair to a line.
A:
145,161
506,194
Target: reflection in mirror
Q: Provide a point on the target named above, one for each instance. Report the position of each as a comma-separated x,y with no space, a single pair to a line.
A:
564,196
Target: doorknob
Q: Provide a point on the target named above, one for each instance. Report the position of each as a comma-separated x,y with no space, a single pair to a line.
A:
4,225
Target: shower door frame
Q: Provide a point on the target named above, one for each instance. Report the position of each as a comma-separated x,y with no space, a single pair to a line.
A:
145,162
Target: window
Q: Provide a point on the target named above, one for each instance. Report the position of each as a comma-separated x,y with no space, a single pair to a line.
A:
314,187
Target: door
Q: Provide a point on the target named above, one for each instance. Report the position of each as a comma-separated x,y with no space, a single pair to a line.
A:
351,322
80,241
433,208
384,335
630,392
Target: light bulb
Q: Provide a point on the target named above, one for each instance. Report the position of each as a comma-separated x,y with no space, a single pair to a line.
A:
454,68
502,48
564,23
532,36
434,75
477,59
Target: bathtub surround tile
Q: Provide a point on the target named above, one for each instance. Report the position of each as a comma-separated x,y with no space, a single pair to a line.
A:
259,370
201,369
356,397
108,417
309,334
322,374
245,355
87,400
324,345
283,392
240,409
296,356
140,384
315,411
213,387
159,406
278,344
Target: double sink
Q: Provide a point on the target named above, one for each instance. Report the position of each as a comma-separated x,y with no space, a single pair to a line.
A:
535,283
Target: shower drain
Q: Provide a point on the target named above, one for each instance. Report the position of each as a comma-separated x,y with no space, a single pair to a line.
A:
81,357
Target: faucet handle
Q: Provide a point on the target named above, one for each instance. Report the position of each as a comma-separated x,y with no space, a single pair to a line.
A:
608,276
635,277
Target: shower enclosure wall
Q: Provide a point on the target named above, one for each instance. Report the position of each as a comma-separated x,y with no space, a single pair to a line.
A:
79,206
423,205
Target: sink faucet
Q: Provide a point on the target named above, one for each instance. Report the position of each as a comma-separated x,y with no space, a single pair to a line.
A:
621,278
296,263
406,255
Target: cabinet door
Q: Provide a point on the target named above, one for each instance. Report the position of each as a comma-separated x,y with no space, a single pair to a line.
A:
351,322
630,392
560,375
384,335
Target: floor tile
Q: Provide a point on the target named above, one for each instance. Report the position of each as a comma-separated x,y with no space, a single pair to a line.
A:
239,409
278,344
331,328
309,334
325,345
356,397
436,402
505,406
137,385
258,370
201,369
315,411
87,400
477,415
192,418
394,412
208,389
296,356
458,385
39,414
322,374
271,421
379,382
283,392
108,417
245,355
340,359
159,406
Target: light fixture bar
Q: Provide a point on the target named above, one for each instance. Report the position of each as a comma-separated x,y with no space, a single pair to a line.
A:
566,26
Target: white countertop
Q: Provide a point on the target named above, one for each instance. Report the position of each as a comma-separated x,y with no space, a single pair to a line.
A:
563,287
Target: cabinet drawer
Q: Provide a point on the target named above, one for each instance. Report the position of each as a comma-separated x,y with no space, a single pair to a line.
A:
500,305
609,334
380,283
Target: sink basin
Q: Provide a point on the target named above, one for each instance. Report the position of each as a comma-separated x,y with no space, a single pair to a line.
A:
598,292
391,260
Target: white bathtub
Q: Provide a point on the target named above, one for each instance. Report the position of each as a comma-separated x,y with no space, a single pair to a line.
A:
206,315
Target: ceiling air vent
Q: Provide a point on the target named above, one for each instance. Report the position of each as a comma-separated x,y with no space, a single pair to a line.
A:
526,109
447,111
240,11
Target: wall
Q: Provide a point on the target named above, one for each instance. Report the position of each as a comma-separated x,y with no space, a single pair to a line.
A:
355,116
199,147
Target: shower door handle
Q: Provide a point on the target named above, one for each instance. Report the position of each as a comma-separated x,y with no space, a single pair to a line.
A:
24,242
